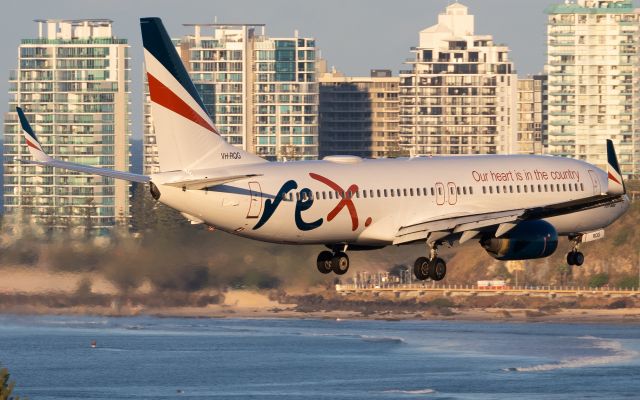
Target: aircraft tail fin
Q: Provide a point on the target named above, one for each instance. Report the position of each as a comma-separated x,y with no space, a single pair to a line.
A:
615,181
185,134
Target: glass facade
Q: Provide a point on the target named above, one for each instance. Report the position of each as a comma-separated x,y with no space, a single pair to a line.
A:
594,70
75,94
262,93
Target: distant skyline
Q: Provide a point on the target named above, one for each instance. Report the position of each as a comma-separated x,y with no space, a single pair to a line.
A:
353,35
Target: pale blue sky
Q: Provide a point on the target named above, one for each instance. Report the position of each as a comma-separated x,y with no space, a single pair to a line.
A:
353,35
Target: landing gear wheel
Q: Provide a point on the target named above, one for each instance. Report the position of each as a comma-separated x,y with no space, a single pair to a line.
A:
578,259
575,258
421,268
324,262
340,263
570,259
437,269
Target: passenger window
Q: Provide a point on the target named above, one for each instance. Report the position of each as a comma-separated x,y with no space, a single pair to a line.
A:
484,190
364,194
440,191
539,188
570,187
510,189
290,197
582,187
518,188
497,189
393,193
525,188
551,187
432,192
557,187
464,190
470,190
398,192
404,191
411,192
298,196
379,193
385,192
424,191
545,188
490,189
504,189
458,191
330,195
371,193
564,187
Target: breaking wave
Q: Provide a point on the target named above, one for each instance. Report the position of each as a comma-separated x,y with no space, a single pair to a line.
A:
415,391
617,354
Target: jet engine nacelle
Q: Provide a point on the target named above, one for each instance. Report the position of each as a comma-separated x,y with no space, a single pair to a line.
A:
529,239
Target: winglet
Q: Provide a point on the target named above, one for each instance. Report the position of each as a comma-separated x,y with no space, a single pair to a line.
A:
615,181
32,140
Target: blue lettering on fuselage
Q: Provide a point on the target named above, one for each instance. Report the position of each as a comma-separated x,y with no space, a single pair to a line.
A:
303,203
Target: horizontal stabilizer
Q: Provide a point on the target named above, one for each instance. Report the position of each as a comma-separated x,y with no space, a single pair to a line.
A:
41,158
198,184
86,169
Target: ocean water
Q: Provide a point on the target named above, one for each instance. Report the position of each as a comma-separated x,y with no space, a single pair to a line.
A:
50,357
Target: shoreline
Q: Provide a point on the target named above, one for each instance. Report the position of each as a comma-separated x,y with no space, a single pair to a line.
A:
496,315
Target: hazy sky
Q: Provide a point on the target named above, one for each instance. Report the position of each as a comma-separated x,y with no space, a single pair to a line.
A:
353,35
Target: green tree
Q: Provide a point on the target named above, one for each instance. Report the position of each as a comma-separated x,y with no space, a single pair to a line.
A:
599,280
627,282
6,386
564,273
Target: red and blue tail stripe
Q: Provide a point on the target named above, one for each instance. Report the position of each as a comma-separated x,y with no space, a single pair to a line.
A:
158,44
30,138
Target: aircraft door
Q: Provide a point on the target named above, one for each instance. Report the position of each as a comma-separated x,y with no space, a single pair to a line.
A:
440,193
595,182
255,204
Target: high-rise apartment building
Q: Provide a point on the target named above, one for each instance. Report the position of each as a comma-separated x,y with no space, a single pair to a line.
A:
359,115
261,92
593,67
532,114
460,95
73,83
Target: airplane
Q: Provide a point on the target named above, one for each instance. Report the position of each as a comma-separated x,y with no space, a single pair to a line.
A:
515,206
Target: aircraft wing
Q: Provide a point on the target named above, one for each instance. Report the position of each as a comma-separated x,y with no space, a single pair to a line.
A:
469,226
39,157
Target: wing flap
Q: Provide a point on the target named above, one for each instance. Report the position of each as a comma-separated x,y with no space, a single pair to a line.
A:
454,224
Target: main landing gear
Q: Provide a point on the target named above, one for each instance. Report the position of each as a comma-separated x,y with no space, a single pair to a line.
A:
574,257
328,261
433,267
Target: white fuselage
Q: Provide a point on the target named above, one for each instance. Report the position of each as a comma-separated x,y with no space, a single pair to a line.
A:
388,194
